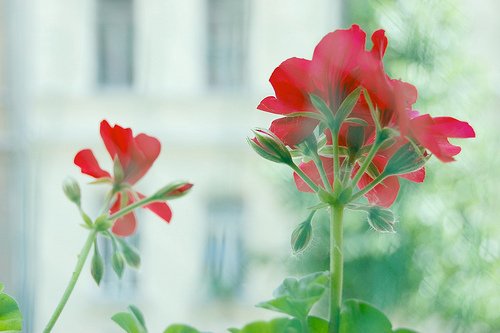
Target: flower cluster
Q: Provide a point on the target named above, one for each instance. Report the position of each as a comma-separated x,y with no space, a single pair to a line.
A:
365,118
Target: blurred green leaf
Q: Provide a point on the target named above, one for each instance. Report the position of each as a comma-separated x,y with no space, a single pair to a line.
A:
296,297
360,317
317,325
404,330
11,318
132,321
279,325
180,328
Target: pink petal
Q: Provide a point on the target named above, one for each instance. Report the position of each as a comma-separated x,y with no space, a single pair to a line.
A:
88,164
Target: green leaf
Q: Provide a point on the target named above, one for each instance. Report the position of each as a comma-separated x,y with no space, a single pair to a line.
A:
129,322
346,107
279,325
404,330
179,328
11,318
296,297
359,317
137,314
317,325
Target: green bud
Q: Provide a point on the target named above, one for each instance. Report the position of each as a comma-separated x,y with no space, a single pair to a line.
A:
173,190
97,265
406,159
131,255
72,191
102,223
118,263
381,219
269,146
301,236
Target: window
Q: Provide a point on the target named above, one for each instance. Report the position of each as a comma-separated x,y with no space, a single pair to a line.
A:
227,43
115,43
224,247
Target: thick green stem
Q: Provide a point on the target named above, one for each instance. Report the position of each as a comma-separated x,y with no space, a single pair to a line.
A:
82,257
336,266
336,159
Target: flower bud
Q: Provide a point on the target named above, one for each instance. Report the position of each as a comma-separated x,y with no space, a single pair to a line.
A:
131,256
381,219
118,263
406,159
72,191
97,265
301,236
173,190
269,146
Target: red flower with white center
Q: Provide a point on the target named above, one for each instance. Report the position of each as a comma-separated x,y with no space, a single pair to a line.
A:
135,155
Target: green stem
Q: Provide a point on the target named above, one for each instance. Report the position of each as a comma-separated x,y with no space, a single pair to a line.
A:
304,324
336,266
304,177
82,257
131,207
369,187
322,172
336,158
366,163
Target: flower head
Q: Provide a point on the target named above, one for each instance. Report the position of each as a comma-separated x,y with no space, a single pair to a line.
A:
133,157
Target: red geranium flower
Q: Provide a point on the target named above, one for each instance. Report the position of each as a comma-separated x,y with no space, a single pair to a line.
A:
135,156
339,65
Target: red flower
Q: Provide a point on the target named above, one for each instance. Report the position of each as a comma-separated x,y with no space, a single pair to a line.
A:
339,65
135,156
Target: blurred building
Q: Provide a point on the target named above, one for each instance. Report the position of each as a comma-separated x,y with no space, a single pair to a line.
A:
188,72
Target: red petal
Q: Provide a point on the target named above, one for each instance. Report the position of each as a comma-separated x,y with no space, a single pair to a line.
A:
415,176
88,164
453,128
293,130
290,83
379,43
144,152
159,208
125,226
384,194
273,105
118,142
310,170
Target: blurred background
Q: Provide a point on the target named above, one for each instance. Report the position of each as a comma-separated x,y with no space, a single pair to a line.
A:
191,73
